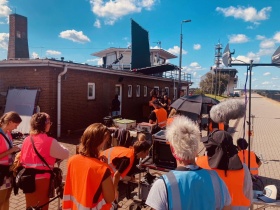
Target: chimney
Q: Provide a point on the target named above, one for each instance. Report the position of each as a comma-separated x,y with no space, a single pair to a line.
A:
18,41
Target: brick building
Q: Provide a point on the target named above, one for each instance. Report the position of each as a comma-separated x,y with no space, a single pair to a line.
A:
86,91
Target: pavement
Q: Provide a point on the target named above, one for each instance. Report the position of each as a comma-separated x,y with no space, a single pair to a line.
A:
265,142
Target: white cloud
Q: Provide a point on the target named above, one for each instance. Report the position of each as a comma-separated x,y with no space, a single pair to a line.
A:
52,52
111,11
266,74
275,78
197,46
4,40
97,61
277,37
264,52
34,55
4,9
249,14
248,74
97,23
266,83
75,36
195,65
155,47
194,73
260,37
267,43
238,38
176,50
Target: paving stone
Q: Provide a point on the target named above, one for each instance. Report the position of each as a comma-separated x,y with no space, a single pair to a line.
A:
265,142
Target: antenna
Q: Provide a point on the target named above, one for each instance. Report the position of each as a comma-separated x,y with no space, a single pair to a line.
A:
227,56
158,43
276,56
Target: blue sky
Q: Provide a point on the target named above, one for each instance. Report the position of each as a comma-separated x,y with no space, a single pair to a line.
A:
77,28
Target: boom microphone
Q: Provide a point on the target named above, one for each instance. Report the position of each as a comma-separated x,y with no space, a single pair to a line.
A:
228,110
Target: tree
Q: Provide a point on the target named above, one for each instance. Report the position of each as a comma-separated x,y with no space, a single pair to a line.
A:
212,82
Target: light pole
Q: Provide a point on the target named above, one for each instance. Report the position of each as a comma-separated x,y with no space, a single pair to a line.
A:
180,58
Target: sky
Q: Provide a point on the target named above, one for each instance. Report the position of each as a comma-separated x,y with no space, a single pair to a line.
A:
77,28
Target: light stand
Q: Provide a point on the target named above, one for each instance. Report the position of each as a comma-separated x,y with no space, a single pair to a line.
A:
180,58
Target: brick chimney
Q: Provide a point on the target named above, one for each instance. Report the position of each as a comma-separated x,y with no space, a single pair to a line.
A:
18,41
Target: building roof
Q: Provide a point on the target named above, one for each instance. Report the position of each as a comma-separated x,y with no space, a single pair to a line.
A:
161,52
157,69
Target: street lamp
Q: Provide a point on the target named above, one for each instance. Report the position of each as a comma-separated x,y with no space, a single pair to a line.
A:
180,57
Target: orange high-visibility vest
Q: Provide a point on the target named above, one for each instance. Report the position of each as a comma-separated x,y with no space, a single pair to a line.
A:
161,115
221,126
234,181
253,162
84,176
169,120
150,102
119,151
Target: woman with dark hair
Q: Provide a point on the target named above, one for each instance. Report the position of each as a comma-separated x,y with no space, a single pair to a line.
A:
8,122
123,161
88,181
49,149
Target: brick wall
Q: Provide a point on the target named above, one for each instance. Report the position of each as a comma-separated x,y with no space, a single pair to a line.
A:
77,112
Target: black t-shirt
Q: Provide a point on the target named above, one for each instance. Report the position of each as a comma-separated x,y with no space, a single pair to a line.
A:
153,116
115,104
123,162
99,190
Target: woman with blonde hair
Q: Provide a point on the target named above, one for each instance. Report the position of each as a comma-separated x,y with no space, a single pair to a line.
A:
49,149
88,181
8,122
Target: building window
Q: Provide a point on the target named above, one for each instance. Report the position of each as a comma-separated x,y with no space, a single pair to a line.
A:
129,91
166,90
156,88
137,90
175,94
91,91
18,34
145,91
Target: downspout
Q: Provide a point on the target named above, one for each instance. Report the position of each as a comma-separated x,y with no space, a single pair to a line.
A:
59,100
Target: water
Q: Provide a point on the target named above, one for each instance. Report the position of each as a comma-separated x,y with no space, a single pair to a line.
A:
273,94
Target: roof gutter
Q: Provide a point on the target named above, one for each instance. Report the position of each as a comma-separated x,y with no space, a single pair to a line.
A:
59,100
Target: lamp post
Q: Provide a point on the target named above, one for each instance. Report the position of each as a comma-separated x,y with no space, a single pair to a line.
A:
180,57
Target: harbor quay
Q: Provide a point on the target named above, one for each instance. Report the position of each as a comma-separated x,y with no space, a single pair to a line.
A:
265,142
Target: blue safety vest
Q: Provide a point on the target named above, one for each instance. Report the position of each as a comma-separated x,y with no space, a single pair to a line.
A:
190,190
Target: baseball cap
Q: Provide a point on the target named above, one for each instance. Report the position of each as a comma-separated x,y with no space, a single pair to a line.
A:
269,194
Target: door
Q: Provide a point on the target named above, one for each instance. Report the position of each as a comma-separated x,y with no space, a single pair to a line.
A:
118,90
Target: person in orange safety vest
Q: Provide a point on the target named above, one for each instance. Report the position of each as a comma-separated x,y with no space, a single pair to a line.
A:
255,162
159,115
122,161
213,125
222,156
89,185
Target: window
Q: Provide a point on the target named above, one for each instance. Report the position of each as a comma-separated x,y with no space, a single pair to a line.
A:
156,88
129,91
91,91
18,34
137,90
166,90
175,94
145,91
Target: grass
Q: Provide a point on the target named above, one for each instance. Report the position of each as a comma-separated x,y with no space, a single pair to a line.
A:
216,97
